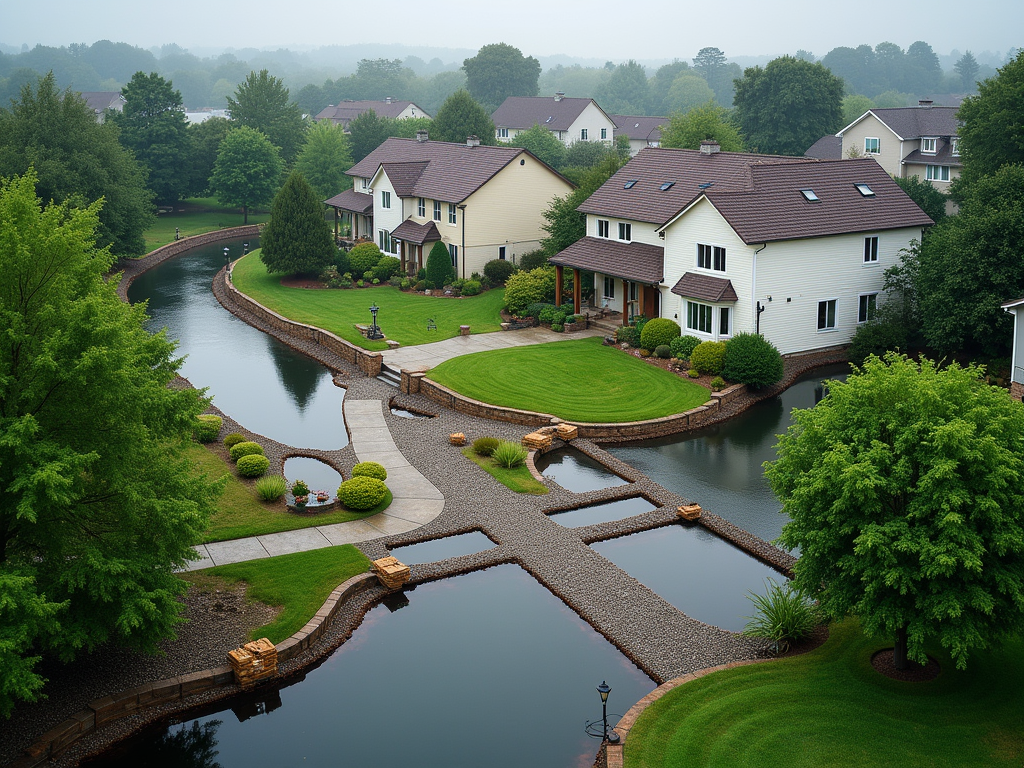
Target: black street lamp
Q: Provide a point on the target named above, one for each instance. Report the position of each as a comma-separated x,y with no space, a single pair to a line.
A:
600,729
375,332
245,248
227,258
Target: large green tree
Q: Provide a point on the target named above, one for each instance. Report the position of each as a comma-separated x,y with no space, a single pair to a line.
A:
563,223
77,160
154,127
967,68
248,170
788,105
543,143
461,116
687,131
262,102
626,92
992,122
297,239
99,503
928,198
688,91
324,158
204,143
903,489
499,71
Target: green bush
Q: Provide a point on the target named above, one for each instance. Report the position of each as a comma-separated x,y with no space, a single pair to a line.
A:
439,265
509,455
370,469
253,465
360,284
682,346
386,268
498,271
484,446
421,273
239,450
752,360
271,487
532,260
230,441
368,275
782,614
660,330
363,258
529,287
628,334
693,373
362,493
663,351
708,357
558,327
717,384
421,285
406,284
341,262
471,288
208,427
300,488
536,309
876,337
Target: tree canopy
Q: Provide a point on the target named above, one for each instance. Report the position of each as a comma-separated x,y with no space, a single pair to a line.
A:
626,92
903,490
499,71
543,143
262,102
204,143
247,171
99,505
563,223
687,131
688,91
923,192
461,116
297,239
324,158
992,123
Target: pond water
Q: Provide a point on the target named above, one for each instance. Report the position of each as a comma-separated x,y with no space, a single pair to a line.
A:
442,549
720,467
576,472
501,674
410,414
700,574
254,378
602,513
318,476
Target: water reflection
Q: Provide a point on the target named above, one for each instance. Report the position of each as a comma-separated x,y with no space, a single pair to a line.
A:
180,746
442,549
602,513
576,472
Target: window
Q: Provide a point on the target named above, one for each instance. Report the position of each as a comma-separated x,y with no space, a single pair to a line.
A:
363,181
385,199
501,252
937,173
454,251
421,208
866,310
711,257
870,250
437,210
954,145
583,134
386,243
604,133
827,315
452,216
865,190
872,146
928,146
625,231
630,184
609,287
698,317
723,321
667,186
809,195
503,133
602,228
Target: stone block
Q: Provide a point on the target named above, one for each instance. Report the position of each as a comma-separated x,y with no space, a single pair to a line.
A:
196,682
457,438
689,511
463,330
567,431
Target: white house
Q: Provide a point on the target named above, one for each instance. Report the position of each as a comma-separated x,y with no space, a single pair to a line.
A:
1016,308
641,131
725,242
101,101
346,111
569,119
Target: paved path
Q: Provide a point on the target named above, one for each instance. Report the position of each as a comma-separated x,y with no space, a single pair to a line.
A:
415,500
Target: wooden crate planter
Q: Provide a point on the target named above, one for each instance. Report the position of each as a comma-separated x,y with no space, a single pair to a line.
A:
457,438
536,441
689,511
566,431
254,662
392,573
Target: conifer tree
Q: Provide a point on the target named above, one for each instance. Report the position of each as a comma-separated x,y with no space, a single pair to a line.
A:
439,265
297,239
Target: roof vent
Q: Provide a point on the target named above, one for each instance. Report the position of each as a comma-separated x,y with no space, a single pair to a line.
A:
472,140
710,147
559,96
422,135
925,103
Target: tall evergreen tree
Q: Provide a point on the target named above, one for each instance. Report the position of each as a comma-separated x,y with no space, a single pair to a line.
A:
262,102
297,239
439,267
461,116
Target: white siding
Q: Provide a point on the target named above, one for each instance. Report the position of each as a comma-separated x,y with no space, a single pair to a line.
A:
640,231
1018,345
385,218
593,120
891,149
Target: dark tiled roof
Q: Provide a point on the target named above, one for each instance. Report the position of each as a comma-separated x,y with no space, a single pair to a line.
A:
826,148
526,111
451,172
944,156
773,208
347,111
694,286
350,200
101,100
638,262
915,122
404,176
411,232
638,127
688,168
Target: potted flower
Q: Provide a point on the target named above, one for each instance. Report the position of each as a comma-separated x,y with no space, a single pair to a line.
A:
322,496
300,490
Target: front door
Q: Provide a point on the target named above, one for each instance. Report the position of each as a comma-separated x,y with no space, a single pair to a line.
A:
652,302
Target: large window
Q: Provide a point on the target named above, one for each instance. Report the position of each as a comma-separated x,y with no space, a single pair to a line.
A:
928,146
385,199
602,228
583,134
827,315
386,243
937,173
872,146
609,287
711,257
421,208
503,133
437,210
698,316
866,310
870,250
723,322
625,231
452,215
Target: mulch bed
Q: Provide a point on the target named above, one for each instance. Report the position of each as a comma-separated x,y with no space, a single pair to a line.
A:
883,663
669,365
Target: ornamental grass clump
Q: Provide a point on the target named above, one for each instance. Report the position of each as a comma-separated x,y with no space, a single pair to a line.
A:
370,469
253,465
271,487
207,427
484,446
782,615
362,493
509,455
245,449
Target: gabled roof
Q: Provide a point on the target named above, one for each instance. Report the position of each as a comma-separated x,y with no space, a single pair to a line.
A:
99,101
944,156
826,148
639,127
439,170
638,262
527,111
350,200
346,111
694,286
1012,304
411,232
914,122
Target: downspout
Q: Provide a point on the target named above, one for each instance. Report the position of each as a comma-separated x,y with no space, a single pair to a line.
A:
463,209
758,309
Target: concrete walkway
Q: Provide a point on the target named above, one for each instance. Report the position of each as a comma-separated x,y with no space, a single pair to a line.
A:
415,500
429,355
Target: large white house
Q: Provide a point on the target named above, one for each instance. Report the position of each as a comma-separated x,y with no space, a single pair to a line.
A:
570,119
1016,308
725,242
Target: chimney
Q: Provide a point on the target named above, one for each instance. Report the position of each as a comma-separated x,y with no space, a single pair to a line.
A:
421,135
559,96
387,99
925,103
710,147
472,140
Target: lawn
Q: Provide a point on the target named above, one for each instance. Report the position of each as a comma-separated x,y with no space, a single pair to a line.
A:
299,583
194,217
402,317
518,478
578,380
830,708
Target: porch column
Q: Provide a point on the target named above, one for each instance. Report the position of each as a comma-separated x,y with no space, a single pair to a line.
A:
355,226
625,303
401,252
577,292
640,300
335,225
558,285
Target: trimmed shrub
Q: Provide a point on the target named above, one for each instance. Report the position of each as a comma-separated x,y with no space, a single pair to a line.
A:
558,327
707,358
387,267
271,487
498,271
717,384
406,284
536,309
230,441
362,493
247,448
471,288
645,352
368,275
682,346
660,330
421,273
439,265
363,258
752,360
529,287
509,455
693,373
300,488
421,285
484,446
341,262
253,465
208,427
370,469
533,260
663,351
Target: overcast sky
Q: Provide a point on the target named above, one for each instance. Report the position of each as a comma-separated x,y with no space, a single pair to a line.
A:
604,29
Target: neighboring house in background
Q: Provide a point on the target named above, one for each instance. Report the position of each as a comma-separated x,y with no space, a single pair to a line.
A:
347,111
482,202
726,242
195,117
826,148
1016,308
569,119
641,131
100,101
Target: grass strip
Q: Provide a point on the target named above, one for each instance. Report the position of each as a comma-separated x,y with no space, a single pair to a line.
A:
196,216
518,479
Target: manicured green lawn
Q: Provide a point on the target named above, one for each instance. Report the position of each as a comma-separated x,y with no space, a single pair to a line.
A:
299,583
197,215
402,317
579,380
830,708
518,479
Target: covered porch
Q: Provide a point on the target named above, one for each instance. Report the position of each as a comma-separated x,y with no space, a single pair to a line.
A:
353,210
413,240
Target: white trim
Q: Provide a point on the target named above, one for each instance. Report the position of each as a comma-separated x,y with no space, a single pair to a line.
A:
878,145
870,262
935,145
859,297
835,317
880,120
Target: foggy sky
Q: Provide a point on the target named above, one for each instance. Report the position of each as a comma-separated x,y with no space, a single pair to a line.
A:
608,30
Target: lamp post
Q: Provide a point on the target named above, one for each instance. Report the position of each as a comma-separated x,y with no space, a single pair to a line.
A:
245,248
375,332
599,728
227,258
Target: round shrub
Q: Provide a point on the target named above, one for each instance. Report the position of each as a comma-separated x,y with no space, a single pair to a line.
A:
386,268
660,330
300,488
370,469
752,360
557,327
509,455
363,258
421,285
525,288
682,346
484,446
245,449
498,271
253,465
230,441
707,358
362,493
663,351
207,428
271,487
717,384
693,373
471,288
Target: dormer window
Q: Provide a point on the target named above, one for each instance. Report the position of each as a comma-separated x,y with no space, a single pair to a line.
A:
865,190
929,146
630,184
954,147
809,195
666,186
625,231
